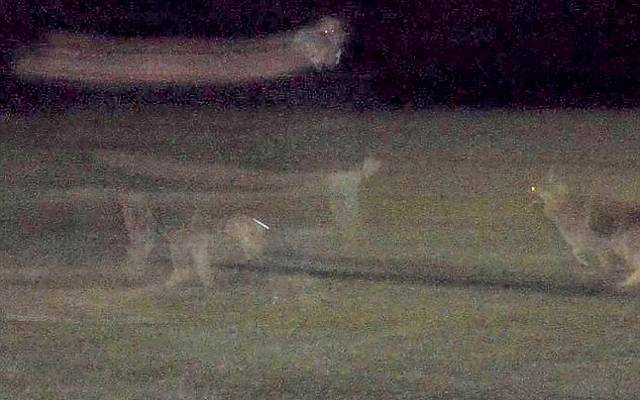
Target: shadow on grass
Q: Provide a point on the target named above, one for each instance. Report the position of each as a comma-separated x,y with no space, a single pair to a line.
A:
339,269
413,273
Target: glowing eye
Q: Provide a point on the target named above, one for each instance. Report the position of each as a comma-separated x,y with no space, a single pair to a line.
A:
533,188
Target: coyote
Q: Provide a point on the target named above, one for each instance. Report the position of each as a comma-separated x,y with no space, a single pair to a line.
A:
594,227
344,190
116,60
195,247
341,187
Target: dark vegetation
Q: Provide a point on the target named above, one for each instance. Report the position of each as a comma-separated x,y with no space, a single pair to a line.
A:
401,54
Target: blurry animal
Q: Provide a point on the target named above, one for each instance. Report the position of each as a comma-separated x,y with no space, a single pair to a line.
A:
321,43
197,249
342,187
594,227
117,60
344,191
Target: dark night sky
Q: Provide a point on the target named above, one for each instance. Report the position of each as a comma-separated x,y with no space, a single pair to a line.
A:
401,53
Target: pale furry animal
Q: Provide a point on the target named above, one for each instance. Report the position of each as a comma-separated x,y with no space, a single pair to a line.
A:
593,225
321,43
344,191
116,60
197,249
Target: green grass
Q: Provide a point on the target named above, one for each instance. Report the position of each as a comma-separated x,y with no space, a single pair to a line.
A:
366,339
454,286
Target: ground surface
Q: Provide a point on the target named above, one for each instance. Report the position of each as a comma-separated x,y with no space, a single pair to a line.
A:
453,285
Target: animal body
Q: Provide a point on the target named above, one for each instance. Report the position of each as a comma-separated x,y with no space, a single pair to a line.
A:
197,248
595,227
342,187
344,192
112,60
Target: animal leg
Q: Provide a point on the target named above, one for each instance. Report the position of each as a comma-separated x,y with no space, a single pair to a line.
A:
343,191
604,261
180,260
200,251
634,278
141,231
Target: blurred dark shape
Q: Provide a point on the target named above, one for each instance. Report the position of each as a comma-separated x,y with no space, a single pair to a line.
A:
416,54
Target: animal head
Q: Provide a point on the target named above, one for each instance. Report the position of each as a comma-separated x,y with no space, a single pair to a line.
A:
322,43
370,166
552,188
250,234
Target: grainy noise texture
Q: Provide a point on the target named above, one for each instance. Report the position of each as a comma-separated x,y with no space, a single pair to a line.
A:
329,199
113,61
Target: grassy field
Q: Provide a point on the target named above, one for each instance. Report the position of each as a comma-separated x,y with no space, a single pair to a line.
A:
453,286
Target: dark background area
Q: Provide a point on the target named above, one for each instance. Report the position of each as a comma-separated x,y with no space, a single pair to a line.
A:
401,54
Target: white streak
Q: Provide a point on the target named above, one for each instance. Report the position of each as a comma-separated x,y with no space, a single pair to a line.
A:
261,223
